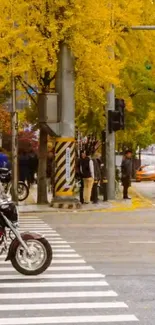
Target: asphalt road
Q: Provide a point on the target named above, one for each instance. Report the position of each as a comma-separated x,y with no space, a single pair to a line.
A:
103,272
147,189
121,246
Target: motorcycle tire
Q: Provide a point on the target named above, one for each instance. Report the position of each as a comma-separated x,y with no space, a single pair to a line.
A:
39,270
25,189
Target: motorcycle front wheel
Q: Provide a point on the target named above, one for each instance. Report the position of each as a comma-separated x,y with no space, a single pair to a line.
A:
35,263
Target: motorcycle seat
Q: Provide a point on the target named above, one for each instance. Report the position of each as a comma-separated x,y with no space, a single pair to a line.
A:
4,171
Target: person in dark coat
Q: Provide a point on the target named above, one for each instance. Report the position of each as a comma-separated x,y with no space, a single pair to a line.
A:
23,165
78,175
87,175
126,169
33,165
97,178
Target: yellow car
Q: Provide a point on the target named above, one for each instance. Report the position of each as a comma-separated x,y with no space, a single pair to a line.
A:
145,173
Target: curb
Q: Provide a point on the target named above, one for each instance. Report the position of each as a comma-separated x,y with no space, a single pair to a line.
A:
138,201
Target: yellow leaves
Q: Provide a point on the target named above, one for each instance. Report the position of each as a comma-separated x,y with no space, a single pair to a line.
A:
5,120
30,32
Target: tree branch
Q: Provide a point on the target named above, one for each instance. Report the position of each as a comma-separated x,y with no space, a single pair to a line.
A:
24,86
27,84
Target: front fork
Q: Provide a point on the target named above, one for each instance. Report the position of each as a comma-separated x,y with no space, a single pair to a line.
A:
17,234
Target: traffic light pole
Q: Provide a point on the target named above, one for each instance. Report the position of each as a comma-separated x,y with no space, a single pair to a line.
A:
110,146
110,137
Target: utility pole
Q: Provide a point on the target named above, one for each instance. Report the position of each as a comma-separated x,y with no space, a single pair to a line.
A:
65,143
14,125
1,135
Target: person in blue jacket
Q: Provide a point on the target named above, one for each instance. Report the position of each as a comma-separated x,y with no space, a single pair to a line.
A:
4,160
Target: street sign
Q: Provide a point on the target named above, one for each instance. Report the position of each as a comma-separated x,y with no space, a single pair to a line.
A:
68,171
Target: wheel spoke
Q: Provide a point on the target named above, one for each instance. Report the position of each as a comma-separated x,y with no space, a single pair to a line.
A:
37,257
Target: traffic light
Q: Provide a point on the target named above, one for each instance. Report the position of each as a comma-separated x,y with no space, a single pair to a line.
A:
116,117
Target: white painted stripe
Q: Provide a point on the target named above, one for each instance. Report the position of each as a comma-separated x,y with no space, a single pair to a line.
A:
142,242
53,276
51,237
59,306
49,232
54,261
63,250
71,294
55,255
68,320
66,255
68,242
33,222
55,251
67,261
54,268
36,228
54,284
60,246
53,241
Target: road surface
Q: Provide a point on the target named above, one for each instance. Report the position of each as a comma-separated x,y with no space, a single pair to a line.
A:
103,271
147,189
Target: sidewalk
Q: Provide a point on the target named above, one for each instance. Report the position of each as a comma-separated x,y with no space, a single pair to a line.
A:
137,202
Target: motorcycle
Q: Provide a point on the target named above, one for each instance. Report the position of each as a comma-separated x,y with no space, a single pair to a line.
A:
29,253
5,179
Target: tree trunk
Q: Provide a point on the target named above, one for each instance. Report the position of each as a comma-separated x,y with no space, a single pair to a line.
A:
42,188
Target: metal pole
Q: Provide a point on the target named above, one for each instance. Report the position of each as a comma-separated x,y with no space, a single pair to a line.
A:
141,27
110,146
14,124
1,135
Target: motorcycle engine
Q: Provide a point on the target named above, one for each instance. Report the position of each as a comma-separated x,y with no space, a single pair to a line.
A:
10,211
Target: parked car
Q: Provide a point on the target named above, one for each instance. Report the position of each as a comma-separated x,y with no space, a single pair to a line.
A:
145,173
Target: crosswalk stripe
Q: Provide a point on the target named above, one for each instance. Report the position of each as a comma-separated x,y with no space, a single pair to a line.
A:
65,294
34,228
55,261
59,306
67,272
56,255
70,250
60,246
55,268
68,319
56,240
54,284
66,255
53,276
49,233
36,222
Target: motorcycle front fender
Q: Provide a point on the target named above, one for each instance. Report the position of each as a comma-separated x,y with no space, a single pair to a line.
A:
14,244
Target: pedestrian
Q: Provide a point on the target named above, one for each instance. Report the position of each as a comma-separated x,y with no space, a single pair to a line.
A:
87,175
97,179
4,160
23,166
78,176
126,169
33,165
